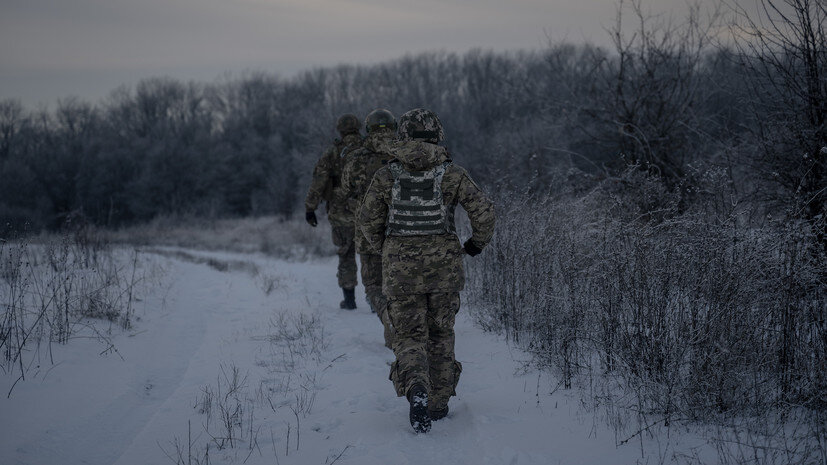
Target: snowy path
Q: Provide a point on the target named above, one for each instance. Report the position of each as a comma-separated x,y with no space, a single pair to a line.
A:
104,410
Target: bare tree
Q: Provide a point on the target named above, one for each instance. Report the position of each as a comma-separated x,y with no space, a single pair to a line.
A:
11,118
782,48
651,88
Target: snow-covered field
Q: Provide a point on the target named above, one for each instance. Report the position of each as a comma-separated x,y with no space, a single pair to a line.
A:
243,358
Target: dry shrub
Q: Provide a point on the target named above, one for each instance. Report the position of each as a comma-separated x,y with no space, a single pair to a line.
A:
688,315
54,288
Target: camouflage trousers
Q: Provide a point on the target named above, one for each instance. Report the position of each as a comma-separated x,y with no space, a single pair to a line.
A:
424,345
372,280
343,239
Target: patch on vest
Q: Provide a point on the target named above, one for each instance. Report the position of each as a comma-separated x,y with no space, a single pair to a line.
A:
416,203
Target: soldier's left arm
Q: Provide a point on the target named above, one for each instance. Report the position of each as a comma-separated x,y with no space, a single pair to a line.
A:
480,210
321,177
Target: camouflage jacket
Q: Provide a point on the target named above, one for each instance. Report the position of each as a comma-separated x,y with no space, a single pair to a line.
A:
359,168
428,263
326,181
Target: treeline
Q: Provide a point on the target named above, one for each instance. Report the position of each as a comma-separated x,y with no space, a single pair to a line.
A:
247,145
664,99
164,147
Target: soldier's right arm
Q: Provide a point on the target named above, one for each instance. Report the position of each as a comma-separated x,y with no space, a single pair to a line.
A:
373,212
321,178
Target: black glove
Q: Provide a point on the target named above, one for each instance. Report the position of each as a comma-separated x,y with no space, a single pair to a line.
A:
471,248
310,217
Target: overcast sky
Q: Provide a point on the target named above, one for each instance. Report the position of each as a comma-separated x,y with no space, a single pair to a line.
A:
51,49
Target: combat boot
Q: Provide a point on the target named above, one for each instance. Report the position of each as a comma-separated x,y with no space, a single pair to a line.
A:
350,299
418,415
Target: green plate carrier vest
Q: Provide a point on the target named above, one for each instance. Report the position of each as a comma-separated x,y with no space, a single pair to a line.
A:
417,207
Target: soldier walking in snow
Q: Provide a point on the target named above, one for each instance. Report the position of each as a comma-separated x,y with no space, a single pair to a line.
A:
359,168
408,216
325,186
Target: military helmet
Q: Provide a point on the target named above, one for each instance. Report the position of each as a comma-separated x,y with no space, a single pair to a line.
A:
379,119
348,123
420,123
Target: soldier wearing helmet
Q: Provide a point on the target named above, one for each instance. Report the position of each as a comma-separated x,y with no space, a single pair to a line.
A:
325,185
407,215
359,168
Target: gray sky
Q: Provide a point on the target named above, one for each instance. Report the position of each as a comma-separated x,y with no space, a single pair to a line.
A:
51,49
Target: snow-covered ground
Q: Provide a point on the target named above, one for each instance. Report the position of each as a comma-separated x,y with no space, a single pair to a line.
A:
312,385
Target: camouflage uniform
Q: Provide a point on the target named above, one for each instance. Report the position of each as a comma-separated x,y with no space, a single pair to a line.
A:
423,274
326,185
359,168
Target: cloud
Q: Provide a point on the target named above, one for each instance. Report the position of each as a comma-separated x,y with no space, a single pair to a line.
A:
117,33
187,37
